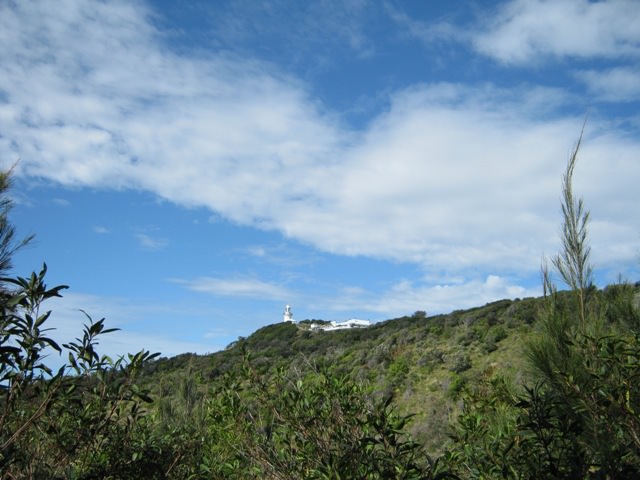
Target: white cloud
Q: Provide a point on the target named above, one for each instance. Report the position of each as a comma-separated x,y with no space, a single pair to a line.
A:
406,296
314,31
283,255
428,33
620,84
237,287
100,230
151,243
257,251
61,202
450,177
67,321
522,31
456,178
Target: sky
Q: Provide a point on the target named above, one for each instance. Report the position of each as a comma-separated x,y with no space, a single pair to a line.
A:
189,168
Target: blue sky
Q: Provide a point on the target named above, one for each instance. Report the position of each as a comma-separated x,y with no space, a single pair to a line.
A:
191,167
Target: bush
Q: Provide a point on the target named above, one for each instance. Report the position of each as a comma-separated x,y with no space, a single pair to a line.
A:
306,425
580,416
461,362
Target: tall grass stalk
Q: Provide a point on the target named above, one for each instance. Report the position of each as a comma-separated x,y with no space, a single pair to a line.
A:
572,263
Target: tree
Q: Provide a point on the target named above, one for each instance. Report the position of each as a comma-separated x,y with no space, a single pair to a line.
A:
8,242
309,424
79,421
578,416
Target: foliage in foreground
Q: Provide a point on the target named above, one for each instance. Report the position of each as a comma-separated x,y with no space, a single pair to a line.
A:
308,425
88,419
82,418
575,415
580,416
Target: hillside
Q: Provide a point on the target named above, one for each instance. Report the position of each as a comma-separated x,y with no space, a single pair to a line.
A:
533,388
423,361
543,388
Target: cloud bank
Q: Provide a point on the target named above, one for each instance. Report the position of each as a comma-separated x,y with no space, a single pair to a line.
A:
451,176
531,30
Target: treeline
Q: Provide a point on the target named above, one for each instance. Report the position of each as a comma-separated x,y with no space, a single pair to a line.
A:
573,410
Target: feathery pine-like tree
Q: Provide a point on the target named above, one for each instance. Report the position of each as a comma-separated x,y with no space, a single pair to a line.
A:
579,415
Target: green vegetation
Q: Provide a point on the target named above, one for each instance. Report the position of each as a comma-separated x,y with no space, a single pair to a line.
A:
577,415
515,389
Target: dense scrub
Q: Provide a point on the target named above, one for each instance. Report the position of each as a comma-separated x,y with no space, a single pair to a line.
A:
578,416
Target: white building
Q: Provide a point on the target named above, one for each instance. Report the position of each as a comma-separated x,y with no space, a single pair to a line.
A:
288,314
352,323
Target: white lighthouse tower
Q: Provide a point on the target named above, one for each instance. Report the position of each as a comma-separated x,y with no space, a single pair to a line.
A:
288,315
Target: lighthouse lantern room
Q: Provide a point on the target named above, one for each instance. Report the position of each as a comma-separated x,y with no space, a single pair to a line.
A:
288,315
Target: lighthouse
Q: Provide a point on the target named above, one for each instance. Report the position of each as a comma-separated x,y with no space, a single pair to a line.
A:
288,316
